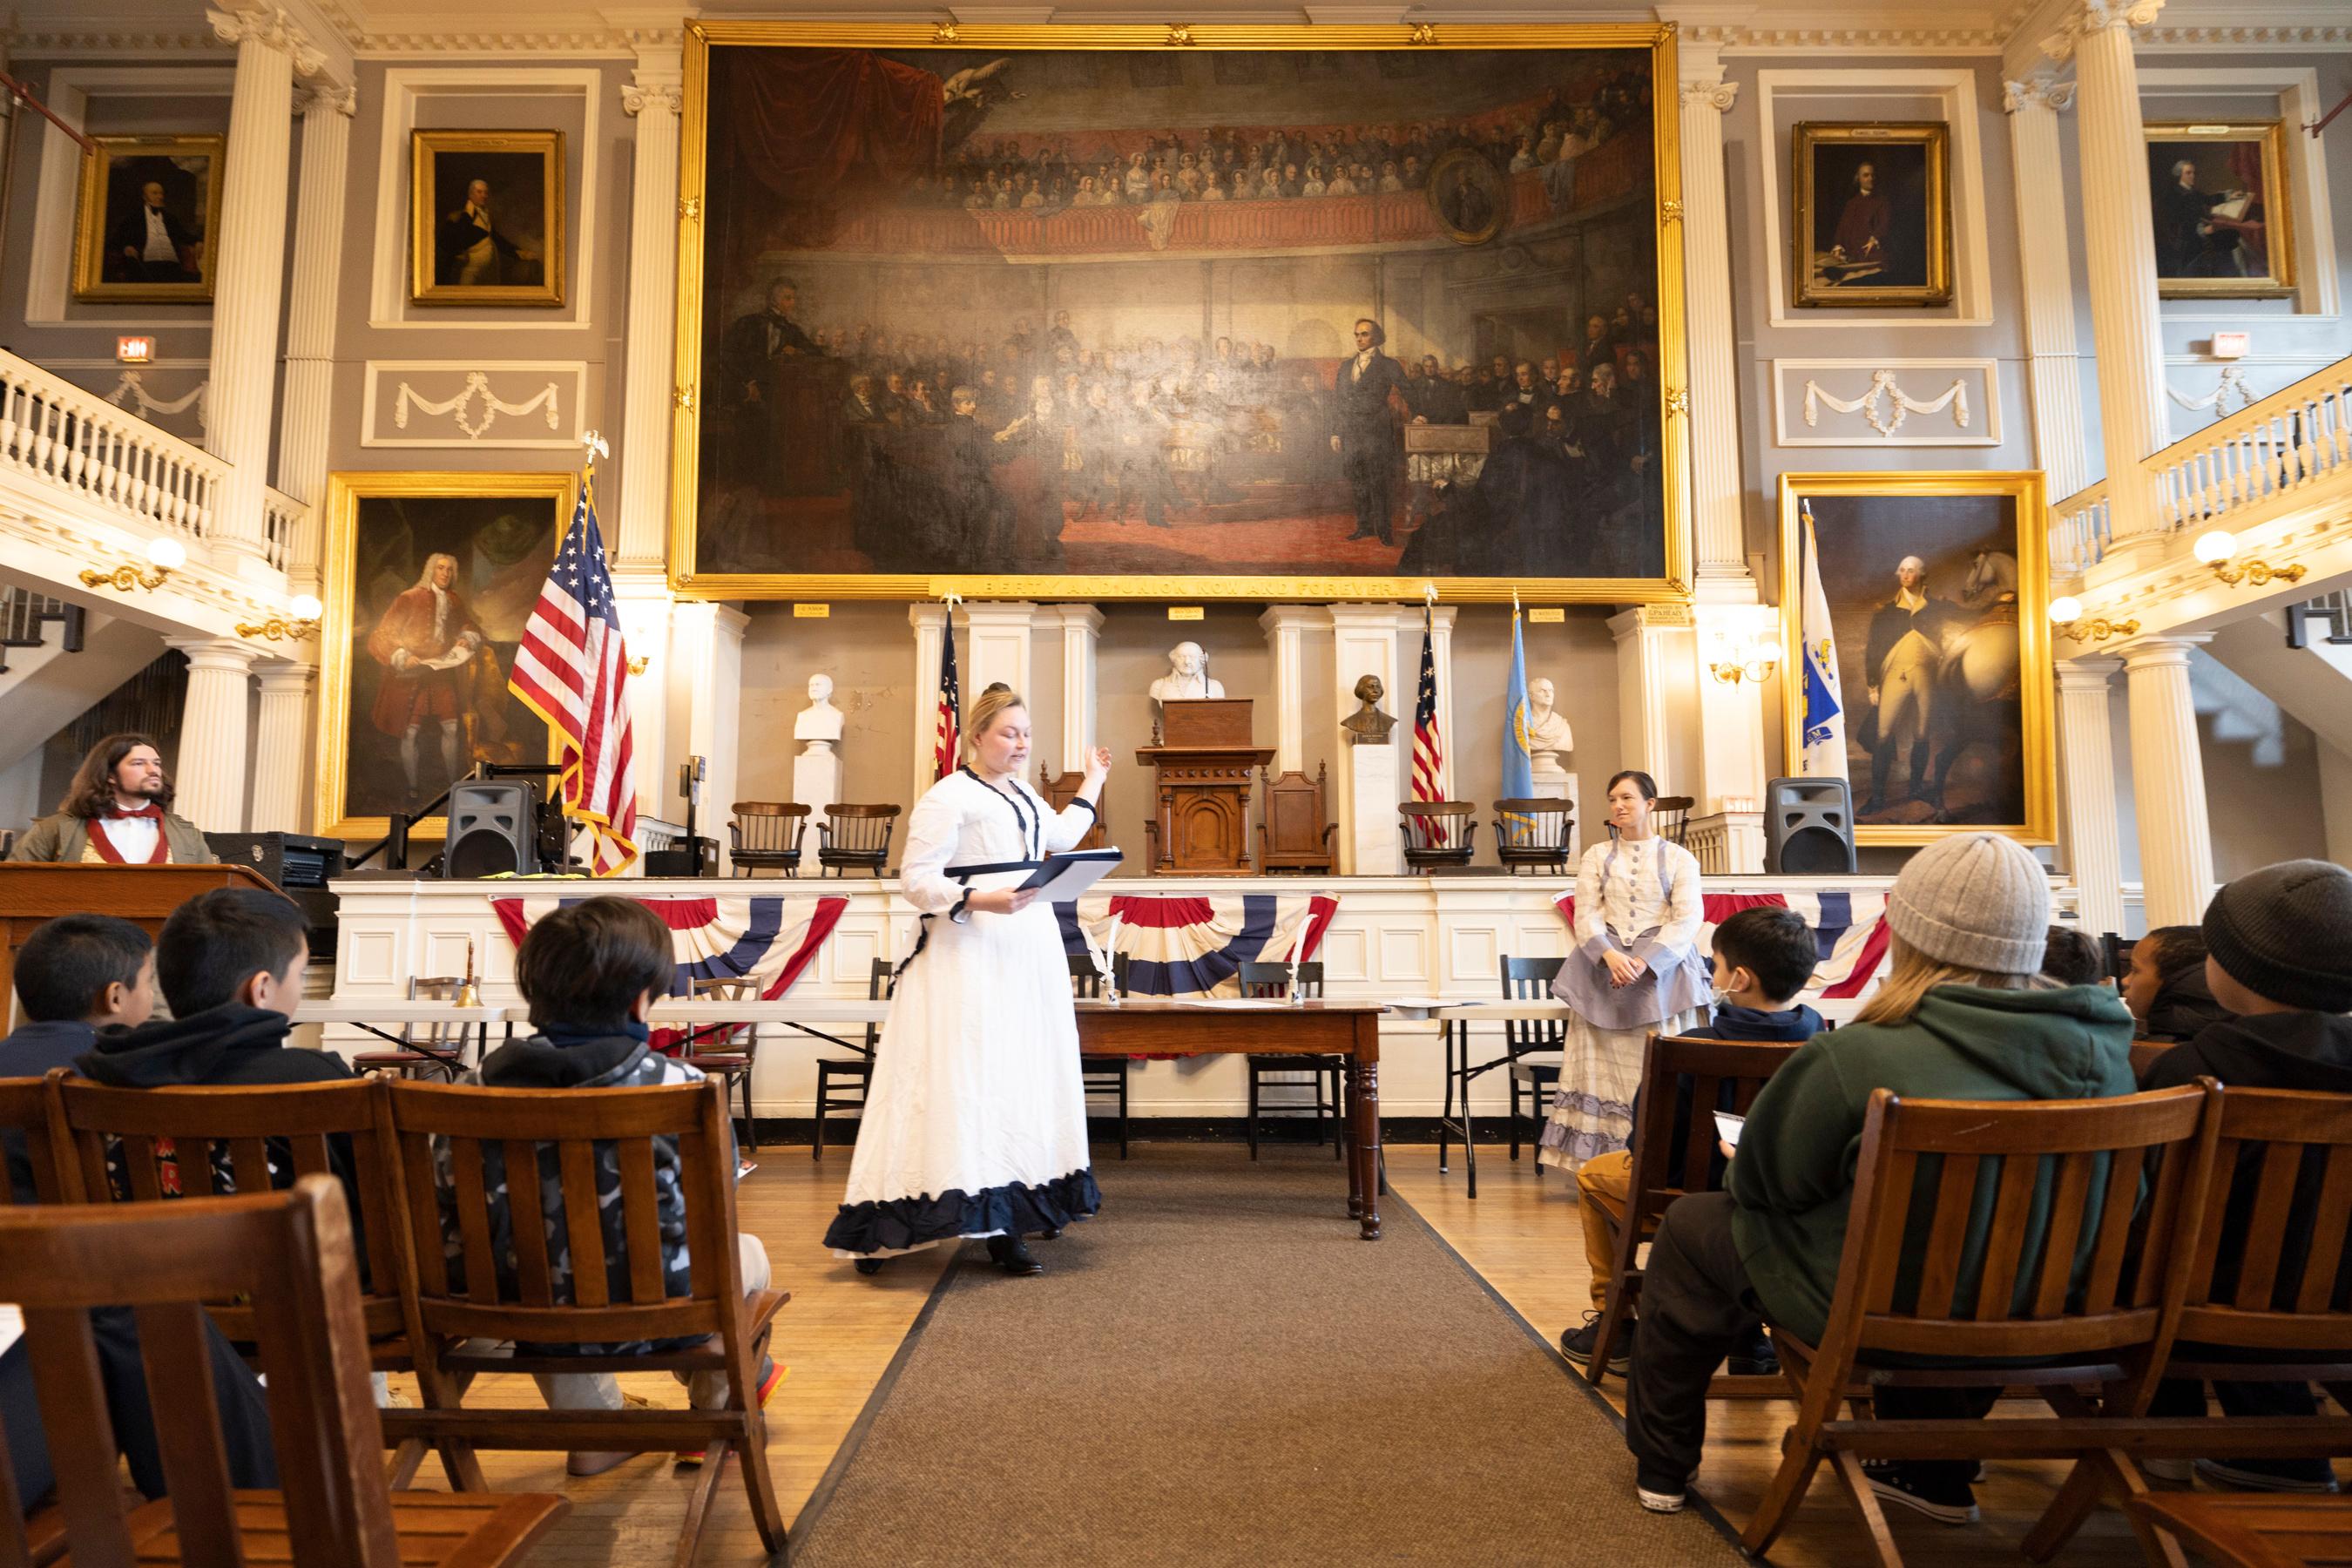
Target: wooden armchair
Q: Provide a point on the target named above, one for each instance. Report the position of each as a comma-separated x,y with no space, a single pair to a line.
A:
765,836
425,1050
855,837
289,1254
727,1051
1438,834
602,1299
1321,1073
1297,832
1532,835
1917,1308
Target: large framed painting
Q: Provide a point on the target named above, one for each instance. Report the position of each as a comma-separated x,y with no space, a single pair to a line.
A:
1939,592
486,217
430,580
2224,217
1179,313
1874,214
144,231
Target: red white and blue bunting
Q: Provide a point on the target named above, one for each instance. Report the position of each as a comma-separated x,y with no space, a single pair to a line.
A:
1849,930
1195,945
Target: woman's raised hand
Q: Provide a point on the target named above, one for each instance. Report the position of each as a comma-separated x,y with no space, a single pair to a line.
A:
1097,764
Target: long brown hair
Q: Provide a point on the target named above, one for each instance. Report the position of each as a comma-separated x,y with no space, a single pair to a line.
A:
91,794
1914,974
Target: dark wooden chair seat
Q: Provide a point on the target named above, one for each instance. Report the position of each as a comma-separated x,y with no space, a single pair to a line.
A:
841,1081
1318,1075
2256,1531
1439,834
766,835
856,839
1105,1078
426,1051
1531,835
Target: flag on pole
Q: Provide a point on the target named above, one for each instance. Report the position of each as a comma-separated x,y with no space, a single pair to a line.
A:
573,671
1518,756
1822,747
1428,741
947,730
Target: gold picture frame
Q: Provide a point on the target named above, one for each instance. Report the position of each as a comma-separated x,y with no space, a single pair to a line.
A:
2215,240
1986,719
1876,239
384,532
519,259
695,403
110,225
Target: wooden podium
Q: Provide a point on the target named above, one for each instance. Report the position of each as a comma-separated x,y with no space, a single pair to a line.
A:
143,895
1202,766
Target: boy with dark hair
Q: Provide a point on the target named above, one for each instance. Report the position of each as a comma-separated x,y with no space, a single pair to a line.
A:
1762,959
2164,987
2070,957
75,975
2279,956
592,972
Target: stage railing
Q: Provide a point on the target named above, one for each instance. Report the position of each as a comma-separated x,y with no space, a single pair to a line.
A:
62,436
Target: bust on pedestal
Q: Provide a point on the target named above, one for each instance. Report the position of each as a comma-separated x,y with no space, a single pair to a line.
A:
1186,678
816,772
1372,822
1550,744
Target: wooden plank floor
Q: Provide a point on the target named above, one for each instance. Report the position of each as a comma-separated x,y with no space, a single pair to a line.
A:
840,1331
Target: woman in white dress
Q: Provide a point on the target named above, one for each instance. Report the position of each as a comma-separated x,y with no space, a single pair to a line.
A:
1636,971
975,1124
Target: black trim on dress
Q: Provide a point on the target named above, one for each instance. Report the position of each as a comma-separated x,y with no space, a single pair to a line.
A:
1016,1208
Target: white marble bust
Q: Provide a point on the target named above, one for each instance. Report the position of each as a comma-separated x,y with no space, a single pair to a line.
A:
1186,679
820,720
1548,732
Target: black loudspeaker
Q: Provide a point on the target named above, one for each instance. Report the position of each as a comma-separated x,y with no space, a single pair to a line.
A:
1809,827
493,828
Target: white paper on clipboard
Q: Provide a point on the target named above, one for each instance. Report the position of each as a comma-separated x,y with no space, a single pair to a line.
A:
1727,1127
1057,880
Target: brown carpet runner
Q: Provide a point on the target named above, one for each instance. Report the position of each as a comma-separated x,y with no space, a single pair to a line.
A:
1217,1371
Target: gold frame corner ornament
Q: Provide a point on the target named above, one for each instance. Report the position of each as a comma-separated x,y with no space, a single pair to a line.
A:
2037,670
1671,586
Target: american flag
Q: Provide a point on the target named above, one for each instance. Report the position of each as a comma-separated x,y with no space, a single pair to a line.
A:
1428,741
573,671
947,730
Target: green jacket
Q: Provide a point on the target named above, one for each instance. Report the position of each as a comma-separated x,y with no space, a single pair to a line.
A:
1793,1179
60,839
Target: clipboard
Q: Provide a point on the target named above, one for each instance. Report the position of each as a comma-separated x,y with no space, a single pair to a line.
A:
1057,880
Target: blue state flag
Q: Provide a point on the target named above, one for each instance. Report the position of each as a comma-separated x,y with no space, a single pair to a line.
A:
1518,757
1822,743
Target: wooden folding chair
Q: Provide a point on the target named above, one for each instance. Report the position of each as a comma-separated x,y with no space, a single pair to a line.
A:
2051,1298
1674,1153
562,1138
25,1118
290,1254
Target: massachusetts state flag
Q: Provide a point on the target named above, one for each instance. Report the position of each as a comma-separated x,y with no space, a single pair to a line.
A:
573,671
945,729
1821,752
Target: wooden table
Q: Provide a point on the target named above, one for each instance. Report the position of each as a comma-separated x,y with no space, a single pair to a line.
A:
1216,1025
2256,1531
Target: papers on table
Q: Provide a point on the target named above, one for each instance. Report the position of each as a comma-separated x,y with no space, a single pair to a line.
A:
1424,1003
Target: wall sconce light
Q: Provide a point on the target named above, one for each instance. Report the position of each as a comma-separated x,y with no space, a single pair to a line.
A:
2214,549
306,610
166,556
640,663
2066,616
1749,653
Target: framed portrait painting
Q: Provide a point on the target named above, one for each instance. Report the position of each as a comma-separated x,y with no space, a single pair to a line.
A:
143,232
2223,215
431,578
1937,586
486,213
1874,214
1161,312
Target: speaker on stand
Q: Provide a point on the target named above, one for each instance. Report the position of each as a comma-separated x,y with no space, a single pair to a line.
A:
494,826
1809,827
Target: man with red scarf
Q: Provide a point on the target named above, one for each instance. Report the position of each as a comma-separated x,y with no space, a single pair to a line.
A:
117,812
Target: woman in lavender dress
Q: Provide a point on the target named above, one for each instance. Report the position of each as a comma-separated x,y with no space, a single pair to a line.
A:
1636,971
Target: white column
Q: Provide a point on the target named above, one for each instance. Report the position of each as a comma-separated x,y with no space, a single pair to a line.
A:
2053,367
1285,628
211,772
1657,699
2086,798
1081,636
1730,781
1717,496
282,749
1441,659
928,621
707,645
319,226
2176,836
2121,264
249,264
1365,642
653,95
997,647
644,602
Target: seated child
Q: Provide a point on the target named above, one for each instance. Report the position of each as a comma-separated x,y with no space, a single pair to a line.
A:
1762,959
75,975
2166,988
592,972
2071,957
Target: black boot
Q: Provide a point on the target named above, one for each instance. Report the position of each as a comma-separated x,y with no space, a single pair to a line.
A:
869,1266
1011,1254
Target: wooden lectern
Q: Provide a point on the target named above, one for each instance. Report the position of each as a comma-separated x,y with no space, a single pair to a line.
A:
1202,768
143,895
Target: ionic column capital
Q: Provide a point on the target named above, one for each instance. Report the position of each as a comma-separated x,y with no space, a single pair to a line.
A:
2040,92
326,98
283,678
272,27
2095,16
645,90
2092,673
1717,94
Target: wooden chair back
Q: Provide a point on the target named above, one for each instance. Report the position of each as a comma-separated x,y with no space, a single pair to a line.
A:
767,832
290,1254
724,1039
490,1133
1437,833
1529,980
1674,1144
25,1119
881,982
145,1144
2143,1054
1272,981
1531,835
442,1038
1297,829
854,837
1086,979
1669,818
2281,1185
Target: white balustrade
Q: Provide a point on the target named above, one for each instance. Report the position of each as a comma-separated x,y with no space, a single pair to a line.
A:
59,434
283,521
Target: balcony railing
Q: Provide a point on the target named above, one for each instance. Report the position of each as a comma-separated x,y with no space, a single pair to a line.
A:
59,434
2231,474
282,520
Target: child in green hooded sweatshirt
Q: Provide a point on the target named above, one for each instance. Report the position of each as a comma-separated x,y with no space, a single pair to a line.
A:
1962,1015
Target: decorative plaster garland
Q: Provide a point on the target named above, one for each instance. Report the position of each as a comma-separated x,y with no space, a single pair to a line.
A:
2233,380
477,385
1882,389
135,388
